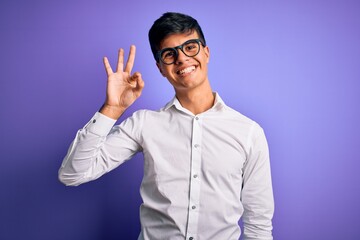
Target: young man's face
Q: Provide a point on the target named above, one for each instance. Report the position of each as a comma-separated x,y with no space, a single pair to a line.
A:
186,73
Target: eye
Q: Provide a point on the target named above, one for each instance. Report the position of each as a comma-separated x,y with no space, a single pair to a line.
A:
168,54
192,46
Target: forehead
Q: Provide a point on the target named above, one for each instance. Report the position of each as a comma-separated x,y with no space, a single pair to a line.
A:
177,39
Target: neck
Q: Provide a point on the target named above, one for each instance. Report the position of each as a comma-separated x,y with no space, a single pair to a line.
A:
196,101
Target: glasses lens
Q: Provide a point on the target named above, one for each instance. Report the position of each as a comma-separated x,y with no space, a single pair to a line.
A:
191,48
168,56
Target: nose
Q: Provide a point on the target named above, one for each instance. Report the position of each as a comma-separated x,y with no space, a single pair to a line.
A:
181,57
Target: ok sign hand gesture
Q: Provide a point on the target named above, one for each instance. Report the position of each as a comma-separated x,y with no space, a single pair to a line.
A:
122,87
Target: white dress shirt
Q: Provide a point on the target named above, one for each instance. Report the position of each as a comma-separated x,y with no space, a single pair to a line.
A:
202,173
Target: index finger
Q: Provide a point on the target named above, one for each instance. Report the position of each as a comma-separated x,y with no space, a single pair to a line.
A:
131,59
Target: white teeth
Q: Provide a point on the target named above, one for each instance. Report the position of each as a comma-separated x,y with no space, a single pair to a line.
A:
187,70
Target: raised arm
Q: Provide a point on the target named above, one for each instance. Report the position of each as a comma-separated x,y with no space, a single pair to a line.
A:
122,87
99,147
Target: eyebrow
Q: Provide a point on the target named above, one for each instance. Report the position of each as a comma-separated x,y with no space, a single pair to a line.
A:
188,33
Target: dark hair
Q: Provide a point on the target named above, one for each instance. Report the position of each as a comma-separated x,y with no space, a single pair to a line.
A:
172,23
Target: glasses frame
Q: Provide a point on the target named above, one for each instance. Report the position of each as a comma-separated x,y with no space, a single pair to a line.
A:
175,49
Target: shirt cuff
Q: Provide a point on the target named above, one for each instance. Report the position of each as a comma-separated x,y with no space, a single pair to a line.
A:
100,124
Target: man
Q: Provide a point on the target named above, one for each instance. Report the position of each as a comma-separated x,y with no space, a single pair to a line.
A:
205,165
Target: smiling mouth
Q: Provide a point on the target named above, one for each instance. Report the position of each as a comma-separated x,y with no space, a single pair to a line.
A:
186,70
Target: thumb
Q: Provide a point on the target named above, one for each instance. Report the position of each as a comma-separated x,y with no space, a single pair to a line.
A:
139,81
139,84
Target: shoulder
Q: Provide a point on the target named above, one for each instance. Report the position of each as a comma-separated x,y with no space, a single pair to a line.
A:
145,115
243,124
231,114
240,118
134,124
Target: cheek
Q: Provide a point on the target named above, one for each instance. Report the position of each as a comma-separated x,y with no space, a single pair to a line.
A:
204,61
162,70
162,73
167,72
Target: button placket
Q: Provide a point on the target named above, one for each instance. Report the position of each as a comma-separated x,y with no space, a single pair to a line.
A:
194,181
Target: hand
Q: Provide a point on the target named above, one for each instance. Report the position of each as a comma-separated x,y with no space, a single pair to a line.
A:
122,87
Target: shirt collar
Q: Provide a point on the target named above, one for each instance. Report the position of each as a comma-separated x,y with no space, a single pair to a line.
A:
218,104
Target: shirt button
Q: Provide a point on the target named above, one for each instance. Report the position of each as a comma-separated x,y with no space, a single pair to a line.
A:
94,121
196,145
191,238
195,175
193,207
196,118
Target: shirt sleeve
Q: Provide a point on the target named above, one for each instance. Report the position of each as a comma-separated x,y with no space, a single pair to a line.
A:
98,148
257,194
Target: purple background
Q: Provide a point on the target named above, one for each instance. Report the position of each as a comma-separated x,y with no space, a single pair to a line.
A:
293,66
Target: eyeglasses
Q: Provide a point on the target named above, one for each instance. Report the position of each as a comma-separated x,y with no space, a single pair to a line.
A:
190,48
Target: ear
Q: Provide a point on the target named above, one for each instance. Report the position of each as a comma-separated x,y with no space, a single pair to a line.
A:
160,69
207,53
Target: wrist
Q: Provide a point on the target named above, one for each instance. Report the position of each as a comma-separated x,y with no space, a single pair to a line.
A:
112,111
